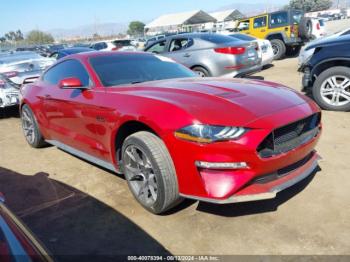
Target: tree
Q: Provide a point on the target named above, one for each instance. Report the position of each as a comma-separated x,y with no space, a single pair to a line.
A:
136,28
310,5
39,37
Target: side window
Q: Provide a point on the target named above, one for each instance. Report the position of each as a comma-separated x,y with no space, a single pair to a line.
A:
260,22
180,44
69,68
157,48
103,45
97,46
243,25
279,19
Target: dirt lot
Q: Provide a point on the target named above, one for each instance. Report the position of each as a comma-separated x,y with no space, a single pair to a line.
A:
77,208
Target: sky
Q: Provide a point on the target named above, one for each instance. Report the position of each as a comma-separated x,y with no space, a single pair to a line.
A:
53,14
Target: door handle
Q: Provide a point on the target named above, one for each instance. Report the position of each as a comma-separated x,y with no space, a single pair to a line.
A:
47,96
187,55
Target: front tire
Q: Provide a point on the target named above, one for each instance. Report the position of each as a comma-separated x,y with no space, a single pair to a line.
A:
31,129
279,48
331,89
150,172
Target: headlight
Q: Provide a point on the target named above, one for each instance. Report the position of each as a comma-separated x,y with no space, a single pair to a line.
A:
208,134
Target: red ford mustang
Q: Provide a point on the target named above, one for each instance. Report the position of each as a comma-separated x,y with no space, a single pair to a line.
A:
171,134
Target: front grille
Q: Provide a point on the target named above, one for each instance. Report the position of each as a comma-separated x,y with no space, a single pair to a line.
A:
283,171
288,137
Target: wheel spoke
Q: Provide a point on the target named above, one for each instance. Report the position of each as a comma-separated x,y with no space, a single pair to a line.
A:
332,81
327,92
346,96
345,84
136,155
153,193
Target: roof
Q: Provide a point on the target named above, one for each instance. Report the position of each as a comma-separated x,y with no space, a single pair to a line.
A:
231,14
193,17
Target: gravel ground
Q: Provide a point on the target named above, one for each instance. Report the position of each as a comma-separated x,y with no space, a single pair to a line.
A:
75,207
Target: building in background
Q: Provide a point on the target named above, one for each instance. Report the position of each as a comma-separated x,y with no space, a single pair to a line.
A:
193,21
225,20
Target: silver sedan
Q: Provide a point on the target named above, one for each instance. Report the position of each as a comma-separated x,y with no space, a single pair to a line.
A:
210,54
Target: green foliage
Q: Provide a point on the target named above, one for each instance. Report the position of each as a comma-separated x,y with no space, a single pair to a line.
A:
310,5
13,36
136,28
39,37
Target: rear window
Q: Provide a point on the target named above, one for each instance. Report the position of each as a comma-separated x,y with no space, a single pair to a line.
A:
243,37
217,39
120,43
296,17
131,69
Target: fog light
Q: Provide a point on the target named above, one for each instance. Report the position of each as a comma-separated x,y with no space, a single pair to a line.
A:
221,165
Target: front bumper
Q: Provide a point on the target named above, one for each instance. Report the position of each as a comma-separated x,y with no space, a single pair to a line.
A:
9,97
237,185
307,77
268,190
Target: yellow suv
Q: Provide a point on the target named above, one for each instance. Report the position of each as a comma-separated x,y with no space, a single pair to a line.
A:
281,28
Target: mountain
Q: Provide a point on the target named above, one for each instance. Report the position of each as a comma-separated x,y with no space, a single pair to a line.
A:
102,29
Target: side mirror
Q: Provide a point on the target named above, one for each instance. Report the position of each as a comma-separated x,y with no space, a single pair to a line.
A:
70,83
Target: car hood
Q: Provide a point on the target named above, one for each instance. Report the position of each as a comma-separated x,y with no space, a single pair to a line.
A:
328,41
219,101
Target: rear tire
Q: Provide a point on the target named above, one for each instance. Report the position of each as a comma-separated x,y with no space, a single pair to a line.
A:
331,90
279,48
150,172
30,128
202,72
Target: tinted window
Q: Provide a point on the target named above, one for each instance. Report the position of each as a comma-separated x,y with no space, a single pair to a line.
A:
180,44
216,39
157,48
69,68
126,69
121,43
243,37
243,25
278,19
99,46
260,22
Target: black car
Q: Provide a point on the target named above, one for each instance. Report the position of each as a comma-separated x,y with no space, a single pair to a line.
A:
69,51
327,73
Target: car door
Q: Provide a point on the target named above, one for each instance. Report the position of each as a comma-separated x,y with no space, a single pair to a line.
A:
157,48
71,113
177,49
260,26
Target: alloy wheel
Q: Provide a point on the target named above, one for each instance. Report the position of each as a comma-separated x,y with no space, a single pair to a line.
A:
335,90
275,49
139,172
28,126
200,73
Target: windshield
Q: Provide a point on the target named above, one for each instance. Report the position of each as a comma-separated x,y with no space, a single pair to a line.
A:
120,69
